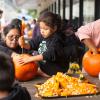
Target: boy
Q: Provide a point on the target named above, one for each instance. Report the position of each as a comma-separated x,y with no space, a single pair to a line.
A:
8,90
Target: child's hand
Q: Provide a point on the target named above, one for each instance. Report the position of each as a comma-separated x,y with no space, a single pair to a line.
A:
23,61
21,41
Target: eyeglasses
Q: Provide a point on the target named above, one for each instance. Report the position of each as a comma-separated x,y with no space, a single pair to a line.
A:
12,37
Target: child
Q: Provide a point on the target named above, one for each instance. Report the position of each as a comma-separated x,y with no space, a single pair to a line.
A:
49,44
74,49
8,90
90,35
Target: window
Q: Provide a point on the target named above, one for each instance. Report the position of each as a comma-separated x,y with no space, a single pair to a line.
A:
88,11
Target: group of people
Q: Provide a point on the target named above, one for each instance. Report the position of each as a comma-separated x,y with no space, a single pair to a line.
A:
57,44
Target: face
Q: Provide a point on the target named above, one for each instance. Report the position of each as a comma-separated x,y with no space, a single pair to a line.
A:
69,31
45,30
11,38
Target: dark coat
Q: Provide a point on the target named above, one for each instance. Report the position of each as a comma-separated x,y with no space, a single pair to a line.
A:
18,93
53,53
74,49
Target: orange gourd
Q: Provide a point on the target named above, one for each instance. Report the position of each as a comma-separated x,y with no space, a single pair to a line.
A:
91,63
25,72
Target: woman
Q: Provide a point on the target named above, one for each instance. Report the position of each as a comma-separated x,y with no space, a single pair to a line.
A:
11,34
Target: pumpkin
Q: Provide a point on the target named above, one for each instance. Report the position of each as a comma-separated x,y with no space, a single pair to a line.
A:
24,72
91,63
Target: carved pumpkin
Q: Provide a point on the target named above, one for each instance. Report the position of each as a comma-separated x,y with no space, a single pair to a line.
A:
91,63
25,72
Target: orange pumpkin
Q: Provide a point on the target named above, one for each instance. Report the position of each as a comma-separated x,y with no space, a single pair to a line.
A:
24,72
91,63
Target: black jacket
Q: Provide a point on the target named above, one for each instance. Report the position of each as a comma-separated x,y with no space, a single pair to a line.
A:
53,54
18,93
74,49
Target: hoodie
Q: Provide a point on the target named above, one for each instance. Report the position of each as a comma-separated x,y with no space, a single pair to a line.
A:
18,93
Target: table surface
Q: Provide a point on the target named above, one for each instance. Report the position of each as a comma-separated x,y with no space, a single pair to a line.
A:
32,90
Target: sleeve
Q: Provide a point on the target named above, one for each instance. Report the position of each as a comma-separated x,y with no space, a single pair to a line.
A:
54,52
84,31
6,50
34,43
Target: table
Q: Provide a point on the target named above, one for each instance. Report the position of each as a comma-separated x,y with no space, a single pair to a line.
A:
32,90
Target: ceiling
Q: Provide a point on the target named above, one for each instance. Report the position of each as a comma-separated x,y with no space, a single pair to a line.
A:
11,7
40,5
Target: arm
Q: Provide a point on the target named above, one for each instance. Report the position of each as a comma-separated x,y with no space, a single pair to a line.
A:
22,60
33,44
37,58
90,45
87,35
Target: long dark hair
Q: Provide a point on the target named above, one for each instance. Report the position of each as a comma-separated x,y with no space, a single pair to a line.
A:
9,27
50,19
16,22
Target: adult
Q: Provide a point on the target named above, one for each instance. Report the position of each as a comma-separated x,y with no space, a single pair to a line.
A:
10,44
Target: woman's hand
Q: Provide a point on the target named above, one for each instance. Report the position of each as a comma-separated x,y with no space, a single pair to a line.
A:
21,41
14,54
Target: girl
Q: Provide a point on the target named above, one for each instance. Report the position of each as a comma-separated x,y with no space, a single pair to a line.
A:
49,45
